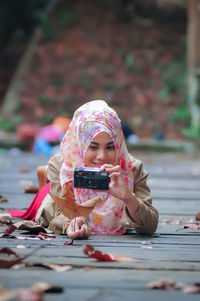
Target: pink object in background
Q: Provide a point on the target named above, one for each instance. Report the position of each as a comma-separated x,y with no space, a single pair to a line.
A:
50,133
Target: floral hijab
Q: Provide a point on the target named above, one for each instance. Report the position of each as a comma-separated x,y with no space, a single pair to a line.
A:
89,120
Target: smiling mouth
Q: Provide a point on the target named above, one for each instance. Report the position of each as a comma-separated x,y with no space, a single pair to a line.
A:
98,164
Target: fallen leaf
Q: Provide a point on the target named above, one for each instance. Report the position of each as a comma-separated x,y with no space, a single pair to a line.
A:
31,189
8,231
5,222
46,236
57,267
3,199
198,216
24,169
90,251
192,288
69,242
8,258
25,294
177,221
46,287
30,226
30,237
49,266
146,244
165,284
21,247
193,226
70,208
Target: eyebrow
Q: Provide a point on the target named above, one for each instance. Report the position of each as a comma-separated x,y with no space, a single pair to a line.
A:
98,143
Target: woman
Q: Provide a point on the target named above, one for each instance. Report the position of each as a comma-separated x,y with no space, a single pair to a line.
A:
95,139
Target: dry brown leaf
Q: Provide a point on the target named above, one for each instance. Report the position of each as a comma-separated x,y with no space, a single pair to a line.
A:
25,294
57,267
31,189
3,199
192,288
7,232
45,265
69,242
177,221
46,236
46,287
165,284
91,252
198,216
5,222
8,258
193,226
30,226
24,169
71,209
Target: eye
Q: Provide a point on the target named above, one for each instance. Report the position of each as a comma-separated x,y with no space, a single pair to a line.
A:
111,147
93,147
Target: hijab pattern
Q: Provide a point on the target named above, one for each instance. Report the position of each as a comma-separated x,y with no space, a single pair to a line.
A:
89,120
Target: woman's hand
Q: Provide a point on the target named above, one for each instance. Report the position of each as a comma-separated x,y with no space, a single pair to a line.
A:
117,186
78,229
119,189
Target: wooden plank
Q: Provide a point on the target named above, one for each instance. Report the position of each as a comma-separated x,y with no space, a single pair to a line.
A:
168,253
101,284
188,184
177,207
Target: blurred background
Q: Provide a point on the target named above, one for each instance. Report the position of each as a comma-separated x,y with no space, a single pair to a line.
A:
142,57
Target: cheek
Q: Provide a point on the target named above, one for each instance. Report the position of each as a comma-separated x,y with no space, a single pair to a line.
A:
89,156
113,156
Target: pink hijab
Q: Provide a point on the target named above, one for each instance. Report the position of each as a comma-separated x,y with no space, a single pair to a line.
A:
89,120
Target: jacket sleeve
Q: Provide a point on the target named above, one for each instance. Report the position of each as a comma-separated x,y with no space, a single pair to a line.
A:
146,212
53,174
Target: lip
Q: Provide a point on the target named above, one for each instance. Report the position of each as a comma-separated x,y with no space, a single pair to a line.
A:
98,164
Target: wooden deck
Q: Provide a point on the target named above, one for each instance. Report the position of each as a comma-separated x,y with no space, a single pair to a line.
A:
169,253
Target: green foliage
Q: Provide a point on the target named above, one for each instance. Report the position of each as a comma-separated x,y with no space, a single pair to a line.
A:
57,80
129,60
181,114
11,123
46,101
174,77
164,92
130,64
85,83
191,132
68,18
46,26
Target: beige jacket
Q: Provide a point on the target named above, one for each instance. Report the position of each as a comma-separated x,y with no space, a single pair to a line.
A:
49,215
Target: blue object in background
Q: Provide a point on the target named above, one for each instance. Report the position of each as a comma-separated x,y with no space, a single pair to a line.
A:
42,146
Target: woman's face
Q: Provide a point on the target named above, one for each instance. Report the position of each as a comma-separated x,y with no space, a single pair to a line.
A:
100,151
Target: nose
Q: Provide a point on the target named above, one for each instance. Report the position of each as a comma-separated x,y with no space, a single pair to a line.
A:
101,155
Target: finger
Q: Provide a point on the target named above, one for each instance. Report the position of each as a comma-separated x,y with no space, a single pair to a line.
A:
70,232
113,168
103,167
115,176
72,229
82,233
85,231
